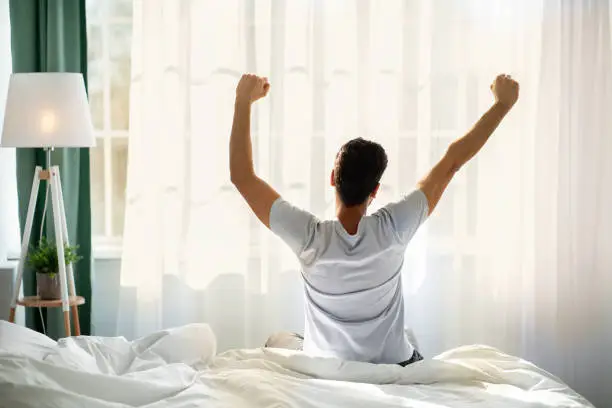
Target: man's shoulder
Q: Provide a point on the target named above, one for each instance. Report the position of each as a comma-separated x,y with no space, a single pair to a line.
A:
374,231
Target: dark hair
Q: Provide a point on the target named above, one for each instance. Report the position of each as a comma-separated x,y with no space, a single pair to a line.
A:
359,166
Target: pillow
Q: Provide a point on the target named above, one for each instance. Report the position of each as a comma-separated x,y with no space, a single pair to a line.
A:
188,344
191,344
17,339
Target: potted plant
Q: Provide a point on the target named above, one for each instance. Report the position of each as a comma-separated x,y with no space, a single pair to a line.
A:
43,260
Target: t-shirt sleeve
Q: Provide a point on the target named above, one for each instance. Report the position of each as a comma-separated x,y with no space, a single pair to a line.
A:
293,225
406,215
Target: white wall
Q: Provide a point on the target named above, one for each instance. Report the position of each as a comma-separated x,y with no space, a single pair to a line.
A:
105,297
9,224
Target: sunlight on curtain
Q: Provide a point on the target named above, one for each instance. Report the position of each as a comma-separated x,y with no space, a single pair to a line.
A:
411,74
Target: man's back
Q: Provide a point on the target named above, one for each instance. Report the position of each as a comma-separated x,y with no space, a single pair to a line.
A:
353,292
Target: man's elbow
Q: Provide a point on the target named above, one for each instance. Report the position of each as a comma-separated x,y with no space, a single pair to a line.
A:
236,179
455,157
241,178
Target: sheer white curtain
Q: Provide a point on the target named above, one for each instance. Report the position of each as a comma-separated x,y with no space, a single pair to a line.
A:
9,227
515,255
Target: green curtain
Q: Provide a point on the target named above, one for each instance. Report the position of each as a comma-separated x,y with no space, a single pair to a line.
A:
51,36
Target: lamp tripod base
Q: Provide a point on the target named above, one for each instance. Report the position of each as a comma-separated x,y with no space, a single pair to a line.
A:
66,272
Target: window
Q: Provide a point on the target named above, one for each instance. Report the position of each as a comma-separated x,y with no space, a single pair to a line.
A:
430,118
109,30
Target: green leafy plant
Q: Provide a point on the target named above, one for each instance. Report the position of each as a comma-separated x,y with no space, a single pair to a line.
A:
43,258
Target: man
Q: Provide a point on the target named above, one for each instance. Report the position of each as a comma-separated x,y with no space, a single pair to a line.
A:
352,266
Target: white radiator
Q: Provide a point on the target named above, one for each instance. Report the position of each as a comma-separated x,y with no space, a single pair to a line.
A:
8,274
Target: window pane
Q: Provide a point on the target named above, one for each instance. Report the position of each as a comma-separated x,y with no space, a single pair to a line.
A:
120,8
410,108
119,152
94,43
93,9
442,222
472,196
120,44
96,106
95,78
444,97
407,163
98,212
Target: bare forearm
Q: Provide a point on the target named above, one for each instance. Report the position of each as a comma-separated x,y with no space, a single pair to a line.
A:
464,148
506,92
241,151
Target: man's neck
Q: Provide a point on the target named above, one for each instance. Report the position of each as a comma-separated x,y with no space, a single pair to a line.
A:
350,217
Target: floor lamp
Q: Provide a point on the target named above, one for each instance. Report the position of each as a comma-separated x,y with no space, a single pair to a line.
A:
48,110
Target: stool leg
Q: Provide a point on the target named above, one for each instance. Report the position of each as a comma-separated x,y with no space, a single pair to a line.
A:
69,269
67,323
75,319
59,242
25,242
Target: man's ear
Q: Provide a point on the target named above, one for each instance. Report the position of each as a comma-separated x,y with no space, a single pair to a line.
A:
375,191
332,180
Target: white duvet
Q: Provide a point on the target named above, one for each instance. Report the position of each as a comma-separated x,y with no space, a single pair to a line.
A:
179,368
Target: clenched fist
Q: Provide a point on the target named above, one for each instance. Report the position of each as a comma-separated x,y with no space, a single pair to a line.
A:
251,88
506,90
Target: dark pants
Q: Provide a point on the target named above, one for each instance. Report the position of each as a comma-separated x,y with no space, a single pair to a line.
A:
294,341
416,356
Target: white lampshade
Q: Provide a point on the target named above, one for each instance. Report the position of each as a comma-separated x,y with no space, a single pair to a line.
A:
47,110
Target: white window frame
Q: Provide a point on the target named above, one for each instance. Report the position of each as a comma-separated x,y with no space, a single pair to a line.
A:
110,244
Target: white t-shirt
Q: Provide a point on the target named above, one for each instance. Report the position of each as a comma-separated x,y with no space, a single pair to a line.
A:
354,304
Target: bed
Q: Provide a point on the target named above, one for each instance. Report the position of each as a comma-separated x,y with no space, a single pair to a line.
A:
180,368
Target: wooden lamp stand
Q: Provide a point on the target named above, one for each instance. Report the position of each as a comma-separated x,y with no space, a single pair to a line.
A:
52,176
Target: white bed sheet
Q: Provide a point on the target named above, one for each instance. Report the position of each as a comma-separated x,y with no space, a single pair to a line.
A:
179,368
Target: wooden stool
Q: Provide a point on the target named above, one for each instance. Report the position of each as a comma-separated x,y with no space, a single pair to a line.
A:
73,301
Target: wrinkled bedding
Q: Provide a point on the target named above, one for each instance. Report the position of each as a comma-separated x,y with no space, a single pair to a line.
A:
180,368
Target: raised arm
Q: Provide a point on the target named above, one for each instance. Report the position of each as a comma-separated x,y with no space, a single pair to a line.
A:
257,193
506,92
